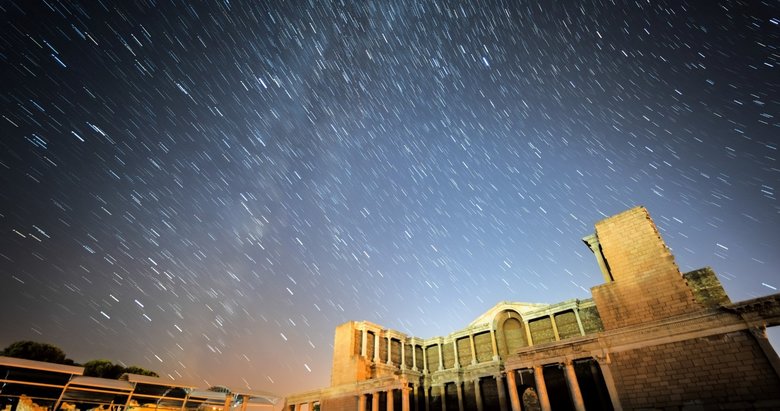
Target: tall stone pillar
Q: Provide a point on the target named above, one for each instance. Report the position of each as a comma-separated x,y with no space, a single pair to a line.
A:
443,394
478,395
389,350
459,388
574,386
427,397
494,344
425,362
455,347
376,347
473,350
512,383
228,401
405,399
403,354
501,393
361,402
389,402
364,342
414,357
375,401
555,327
527,327
579,320
441,357
609,381
541,388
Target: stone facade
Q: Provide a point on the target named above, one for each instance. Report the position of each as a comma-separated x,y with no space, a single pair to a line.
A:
649,339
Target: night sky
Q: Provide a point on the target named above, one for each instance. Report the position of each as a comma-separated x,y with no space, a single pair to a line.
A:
206,189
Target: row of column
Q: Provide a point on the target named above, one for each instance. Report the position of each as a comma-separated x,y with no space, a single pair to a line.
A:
389,338
514,400
389,402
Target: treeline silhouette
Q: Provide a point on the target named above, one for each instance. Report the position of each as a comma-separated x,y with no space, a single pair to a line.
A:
37,351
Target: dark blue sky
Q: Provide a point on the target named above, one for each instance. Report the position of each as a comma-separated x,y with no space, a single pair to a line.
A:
208,189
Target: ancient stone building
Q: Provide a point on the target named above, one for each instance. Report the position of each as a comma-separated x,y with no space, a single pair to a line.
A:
650,338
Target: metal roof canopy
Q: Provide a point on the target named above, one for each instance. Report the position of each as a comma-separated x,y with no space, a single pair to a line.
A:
55,384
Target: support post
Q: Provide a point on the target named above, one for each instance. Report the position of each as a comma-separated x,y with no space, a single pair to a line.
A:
478,395
375,401
405,399
494,344
574,386
541,388
514,399
389,350
473,350
579,321
441,357
389,401
555,327
609,380
364,342
527,327
361,402
501,393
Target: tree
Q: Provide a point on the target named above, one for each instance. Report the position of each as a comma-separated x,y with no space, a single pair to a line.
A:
140,371
103,369
31,350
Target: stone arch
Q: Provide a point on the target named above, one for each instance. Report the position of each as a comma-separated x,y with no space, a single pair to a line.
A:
510,332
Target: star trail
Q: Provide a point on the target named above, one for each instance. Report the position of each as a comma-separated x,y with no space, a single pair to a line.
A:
206,189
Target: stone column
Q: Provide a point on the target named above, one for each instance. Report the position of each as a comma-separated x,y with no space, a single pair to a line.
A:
389,350
501,393
579,321
376,347
427,397
528,333
541,388
495,346
414,357
405,399
609,381
375,401
311,406
425,362
473,350
459,388
390,399
513,397
574,386
229,400
361,402
441,357
443,393
455,347
554,327
478,395
403,354
364,342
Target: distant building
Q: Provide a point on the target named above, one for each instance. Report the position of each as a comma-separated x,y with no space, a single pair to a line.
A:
649,339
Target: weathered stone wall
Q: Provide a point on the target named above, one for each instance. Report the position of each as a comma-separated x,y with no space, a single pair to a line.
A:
464,351
348,365
484,347
591,322
541,330
346,403
395,347
567,324
704,372
647,284
449,355
706,287
432,355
